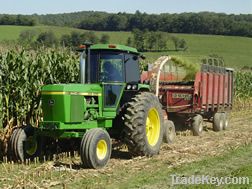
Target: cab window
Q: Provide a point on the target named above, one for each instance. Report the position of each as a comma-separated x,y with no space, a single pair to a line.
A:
111,67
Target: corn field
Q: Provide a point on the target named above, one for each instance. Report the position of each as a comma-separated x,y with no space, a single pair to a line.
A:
22,75
243,84
243,91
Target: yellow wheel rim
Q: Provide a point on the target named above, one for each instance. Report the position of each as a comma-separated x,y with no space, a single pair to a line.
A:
153,127
101,149
31,146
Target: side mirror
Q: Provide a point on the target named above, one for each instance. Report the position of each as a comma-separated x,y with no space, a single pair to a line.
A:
135,58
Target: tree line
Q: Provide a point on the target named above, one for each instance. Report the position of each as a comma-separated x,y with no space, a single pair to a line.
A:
49,38
155,41
19,20
142,40
198,23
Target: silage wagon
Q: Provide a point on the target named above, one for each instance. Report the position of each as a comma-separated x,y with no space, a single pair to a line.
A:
209,96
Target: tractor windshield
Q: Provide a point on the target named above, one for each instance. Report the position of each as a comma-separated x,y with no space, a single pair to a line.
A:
106,66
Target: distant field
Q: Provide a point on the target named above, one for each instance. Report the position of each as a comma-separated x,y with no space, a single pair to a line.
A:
236,51
12,32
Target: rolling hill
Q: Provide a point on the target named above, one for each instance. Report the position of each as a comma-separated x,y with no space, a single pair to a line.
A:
236,51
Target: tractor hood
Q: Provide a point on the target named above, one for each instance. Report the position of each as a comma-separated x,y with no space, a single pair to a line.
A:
74,89
67,102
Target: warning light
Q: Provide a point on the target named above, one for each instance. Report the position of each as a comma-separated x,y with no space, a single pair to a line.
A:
112,46
82,46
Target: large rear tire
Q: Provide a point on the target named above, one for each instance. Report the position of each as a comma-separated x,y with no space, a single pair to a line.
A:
95,149
197,125
218,122
143,125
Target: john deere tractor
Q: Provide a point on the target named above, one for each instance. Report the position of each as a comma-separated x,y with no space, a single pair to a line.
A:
110,101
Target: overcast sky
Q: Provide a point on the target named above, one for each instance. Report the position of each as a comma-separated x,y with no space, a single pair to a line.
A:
130,6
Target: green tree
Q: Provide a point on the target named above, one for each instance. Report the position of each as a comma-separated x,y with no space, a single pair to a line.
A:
129,41
179,44
161,41
66,40
139,38
26,37
7,20
90,37
48,39
175,41
76,38
151,41
104,39
182,44
116,22
25,21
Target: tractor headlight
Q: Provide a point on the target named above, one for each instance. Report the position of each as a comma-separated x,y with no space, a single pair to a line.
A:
131,87
128,87
134,87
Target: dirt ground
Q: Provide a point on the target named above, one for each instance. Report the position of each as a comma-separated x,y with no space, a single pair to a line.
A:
187,148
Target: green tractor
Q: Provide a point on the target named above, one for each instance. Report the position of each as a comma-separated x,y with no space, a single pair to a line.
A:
109,102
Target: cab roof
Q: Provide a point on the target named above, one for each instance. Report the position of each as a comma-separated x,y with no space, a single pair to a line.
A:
114,47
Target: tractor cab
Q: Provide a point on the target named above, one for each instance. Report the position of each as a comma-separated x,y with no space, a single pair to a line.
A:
103,63
114,67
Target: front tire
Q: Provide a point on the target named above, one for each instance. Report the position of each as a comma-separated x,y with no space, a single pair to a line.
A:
143,125
95,149
11,154
23,144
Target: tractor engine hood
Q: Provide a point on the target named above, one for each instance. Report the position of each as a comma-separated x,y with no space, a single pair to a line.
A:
67,102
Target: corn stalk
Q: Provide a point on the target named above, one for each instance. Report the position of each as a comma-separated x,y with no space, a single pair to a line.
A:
23,73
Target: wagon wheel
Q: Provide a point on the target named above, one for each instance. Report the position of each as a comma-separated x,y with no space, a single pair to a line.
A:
218,121
197,125
169,132
226,121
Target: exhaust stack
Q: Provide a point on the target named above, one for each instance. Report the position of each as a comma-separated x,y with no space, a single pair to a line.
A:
85,64
82,67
